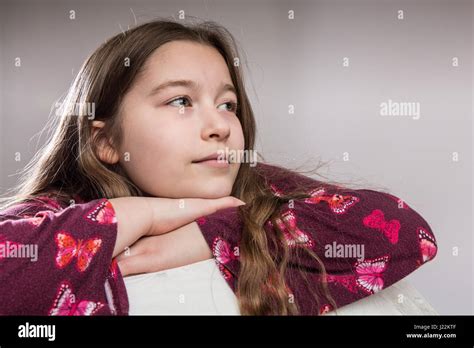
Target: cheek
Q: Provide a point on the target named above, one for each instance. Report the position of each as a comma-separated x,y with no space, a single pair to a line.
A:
238,135
153,153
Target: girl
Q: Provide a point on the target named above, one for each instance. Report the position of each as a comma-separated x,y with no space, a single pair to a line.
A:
144,184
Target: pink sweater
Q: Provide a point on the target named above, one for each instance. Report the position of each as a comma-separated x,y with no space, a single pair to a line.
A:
56,259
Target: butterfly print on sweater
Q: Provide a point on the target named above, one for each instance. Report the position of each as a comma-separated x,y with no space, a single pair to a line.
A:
66,303
428,247
338,203
368,276
295,238
68,248
103,213
390,229
223,254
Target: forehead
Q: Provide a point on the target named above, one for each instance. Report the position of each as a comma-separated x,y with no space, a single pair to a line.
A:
186,60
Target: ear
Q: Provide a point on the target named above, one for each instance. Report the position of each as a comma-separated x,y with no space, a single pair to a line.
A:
105,151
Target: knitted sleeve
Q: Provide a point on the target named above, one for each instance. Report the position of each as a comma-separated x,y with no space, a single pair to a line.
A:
367,240
57,260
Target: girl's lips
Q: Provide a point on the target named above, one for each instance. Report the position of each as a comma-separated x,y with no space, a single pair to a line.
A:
214,163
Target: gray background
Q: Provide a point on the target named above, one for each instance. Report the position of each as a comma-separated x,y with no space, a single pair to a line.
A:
298,62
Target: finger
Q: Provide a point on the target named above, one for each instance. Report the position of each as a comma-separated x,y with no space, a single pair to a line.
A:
193,208
227,202
179,212
209,206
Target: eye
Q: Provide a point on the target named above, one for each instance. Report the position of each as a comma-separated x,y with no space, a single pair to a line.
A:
179,99
231,106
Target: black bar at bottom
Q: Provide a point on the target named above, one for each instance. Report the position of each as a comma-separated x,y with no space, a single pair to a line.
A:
215,330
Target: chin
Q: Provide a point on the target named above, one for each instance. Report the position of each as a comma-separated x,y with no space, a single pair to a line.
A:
213,194
209,191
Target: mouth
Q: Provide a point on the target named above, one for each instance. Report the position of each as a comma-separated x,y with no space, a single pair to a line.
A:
216,160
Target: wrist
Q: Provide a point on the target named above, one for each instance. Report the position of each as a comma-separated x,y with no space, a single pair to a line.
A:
150,216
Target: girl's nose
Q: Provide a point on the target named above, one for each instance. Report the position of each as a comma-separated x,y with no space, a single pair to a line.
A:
215,124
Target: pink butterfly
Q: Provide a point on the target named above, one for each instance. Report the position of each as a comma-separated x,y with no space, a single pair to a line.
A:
368,276
428,247
68,248
299,238
338,203
103,213
66,303
223,255
317,195
389,228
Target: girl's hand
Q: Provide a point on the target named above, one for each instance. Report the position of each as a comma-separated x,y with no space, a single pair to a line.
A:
170,214
148,216
180,247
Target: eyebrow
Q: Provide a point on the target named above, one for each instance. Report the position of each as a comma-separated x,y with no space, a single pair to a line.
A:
188,84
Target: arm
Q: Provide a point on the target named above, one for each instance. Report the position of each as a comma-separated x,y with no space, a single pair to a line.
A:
393,244
393,239
183,246
180,247
75,246
66,253
147,216
135,216
372,243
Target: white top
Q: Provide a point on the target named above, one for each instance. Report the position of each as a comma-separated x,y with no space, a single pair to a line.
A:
200,289
195,289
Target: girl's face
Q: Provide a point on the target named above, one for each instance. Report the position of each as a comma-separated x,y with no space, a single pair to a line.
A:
178,111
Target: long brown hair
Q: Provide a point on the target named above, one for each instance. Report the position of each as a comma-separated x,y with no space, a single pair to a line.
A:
68,163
